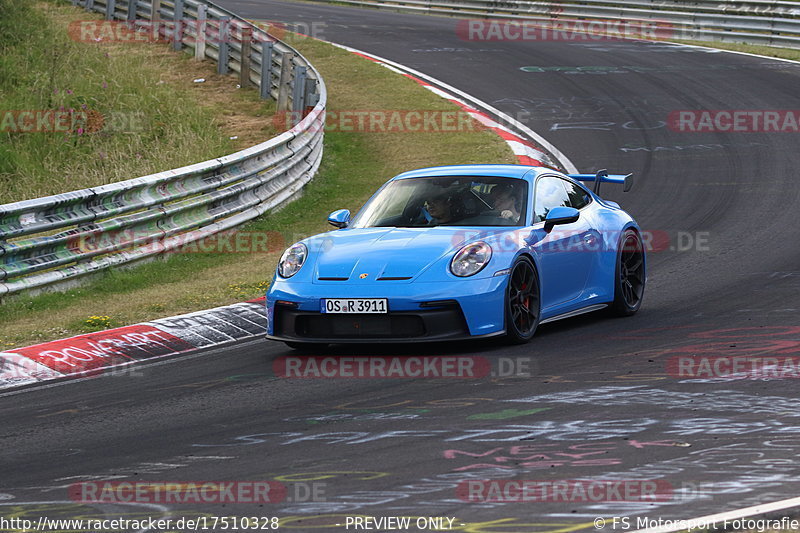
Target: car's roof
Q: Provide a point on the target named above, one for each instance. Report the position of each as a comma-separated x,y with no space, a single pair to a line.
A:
505,171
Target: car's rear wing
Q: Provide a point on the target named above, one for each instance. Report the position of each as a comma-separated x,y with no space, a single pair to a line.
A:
602,176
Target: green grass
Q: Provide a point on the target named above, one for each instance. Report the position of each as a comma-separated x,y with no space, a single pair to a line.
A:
143,110
354,165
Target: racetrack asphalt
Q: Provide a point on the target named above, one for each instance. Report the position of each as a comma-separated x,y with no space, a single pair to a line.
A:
594,398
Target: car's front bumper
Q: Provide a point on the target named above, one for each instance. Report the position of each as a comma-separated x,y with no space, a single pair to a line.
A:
436,311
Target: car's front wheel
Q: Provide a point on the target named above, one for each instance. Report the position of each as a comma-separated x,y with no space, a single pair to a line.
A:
523,303
629,279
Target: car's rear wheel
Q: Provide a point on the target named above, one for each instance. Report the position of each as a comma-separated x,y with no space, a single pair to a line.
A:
523,302
629,280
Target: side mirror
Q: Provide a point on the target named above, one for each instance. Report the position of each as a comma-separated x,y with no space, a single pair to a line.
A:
560,215
340,218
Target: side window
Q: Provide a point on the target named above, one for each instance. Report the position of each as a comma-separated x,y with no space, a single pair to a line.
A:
578,197
550,193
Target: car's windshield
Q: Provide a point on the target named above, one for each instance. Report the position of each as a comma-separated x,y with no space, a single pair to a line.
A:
446,201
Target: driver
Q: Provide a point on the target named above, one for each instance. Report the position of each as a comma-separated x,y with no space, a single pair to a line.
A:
440,207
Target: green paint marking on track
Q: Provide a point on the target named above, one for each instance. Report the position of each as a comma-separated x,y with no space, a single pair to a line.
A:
506,413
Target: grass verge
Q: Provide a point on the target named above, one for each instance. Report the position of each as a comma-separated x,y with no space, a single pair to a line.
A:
145,113
354,165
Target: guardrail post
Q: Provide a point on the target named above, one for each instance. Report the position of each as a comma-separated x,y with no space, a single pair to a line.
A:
266,69
244,67
298,94
155,18
111,6
177,32
310,98
223,36
89,5
200,32
133,6
285,81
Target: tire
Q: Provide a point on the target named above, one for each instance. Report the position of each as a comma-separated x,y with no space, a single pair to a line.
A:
306,347
629,275
523,302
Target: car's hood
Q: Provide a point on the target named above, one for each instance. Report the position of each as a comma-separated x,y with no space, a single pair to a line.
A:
373,254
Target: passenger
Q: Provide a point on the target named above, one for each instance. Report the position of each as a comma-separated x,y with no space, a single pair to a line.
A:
501,197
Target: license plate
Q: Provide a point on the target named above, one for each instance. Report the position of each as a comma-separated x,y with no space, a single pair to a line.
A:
355,305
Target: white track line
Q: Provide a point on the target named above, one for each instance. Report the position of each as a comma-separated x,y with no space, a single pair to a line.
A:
544,143
796,62
713,519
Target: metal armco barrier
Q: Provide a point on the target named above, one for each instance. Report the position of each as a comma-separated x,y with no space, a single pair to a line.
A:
759,22
56,238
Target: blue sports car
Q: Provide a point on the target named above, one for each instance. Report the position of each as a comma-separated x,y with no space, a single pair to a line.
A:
459,252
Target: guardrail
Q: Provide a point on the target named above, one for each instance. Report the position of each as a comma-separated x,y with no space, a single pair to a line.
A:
49,240
760,22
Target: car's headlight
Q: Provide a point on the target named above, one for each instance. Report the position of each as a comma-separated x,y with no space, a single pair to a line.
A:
292,260
471,259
